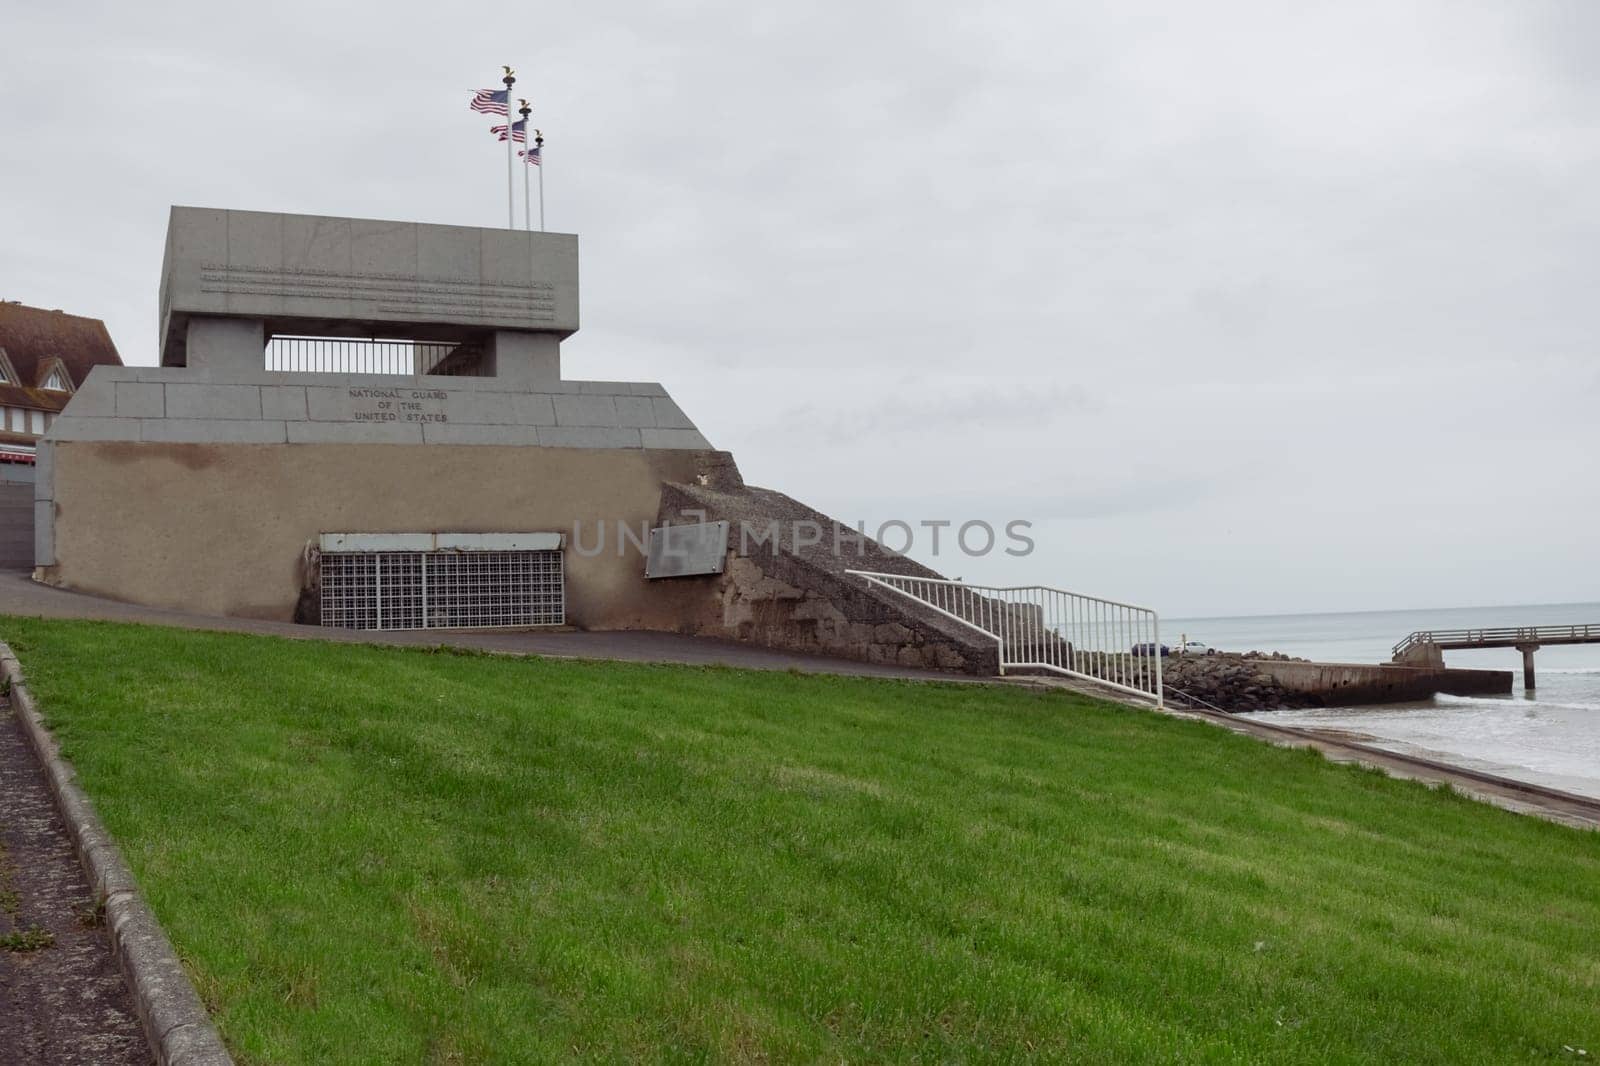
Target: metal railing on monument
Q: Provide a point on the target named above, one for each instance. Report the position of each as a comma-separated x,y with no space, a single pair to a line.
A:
343,355
1037,628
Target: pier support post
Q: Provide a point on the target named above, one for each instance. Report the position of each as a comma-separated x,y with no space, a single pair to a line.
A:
1527,651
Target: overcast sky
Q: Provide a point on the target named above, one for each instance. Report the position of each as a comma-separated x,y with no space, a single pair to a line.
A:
1248,307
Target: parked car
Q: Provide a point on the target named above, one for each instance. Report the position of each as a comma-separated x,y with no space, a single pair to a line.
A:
1194,647
1150,649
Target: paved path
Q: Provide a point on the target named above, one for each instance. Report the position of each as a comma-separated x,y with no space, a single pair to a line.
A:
21,595
64,1004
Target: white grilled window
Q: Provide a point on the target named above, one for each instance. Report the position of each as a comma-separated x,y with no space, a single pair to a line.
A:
442,589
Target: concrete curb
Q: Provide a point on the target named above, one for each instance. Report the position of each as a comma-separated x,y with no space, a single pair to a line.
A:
175,1021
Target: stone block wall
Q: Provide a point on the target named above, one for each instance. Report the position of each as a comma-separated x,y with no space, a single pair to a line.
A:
188,405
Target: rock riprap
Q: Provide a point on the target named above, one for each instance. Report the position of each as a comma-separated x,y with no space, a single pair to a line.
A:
1232,682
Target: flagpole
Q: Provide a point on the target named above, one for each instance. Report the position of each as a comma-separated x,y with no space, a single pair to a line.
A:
511,204
539,144
527,216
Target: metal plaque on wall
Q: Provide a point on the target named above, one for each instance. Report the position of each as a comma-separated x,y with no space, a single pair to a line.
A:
687,551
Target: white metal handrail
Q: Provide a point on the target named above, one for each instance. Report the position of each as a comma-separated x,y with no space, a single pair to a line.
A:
1040,628
1502,636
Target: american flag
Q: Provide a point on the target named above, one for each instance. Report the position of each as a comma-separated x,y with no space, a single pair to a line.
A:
531,157
491,101
519,131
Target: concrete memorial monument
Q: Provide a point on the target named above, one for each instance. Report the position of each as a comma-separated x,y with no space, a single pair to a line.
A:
337,395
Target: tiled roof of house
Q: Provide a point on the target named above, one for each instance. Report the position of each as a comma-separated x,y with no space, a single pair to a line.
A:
37,399
33,338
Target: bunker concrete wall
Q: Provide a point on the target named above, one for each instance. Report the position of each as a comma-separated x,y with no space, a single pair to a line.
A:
1357,683
221,528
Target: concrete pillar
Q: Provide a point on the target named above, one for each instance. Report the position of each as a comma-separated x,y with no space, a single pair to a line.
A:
1424,655
526,358
226,344
1527,651
44,504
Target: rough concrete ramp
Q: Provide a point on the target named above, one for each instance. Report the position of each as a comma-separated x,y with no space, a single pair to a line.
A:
787,585
16,525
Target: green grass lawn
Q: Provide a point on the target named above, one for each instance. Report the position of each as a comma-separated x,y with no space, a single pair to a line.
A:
395,856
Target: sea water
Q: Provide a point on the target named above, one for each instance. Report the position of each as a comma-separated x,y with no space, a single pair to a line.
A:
1550,736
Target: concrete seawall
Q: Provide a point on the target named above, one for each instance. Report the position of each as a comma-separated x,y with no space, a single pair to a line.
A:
1350,684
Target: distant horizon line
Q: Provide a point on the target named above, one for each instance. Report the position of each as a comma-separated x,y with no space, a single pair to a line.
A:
1384,610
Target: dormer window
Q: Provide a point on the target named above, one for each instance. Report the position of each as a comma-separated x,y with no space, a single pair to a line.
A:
52,376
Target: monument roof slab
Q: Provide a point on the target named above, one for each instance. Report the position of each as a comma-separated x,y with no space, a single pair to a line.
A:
327,276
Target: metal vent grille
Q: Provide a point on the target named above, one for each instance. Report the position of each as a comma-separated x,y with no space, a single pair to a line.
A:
442,589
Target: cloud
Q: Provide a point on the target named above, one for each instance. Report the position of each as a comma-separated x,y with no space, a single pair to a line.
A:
918,410
1157,269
